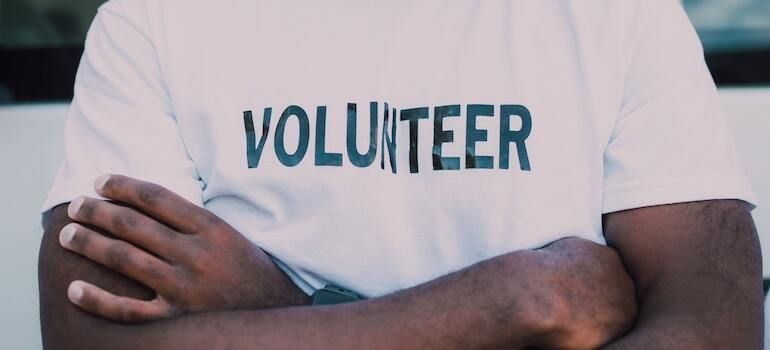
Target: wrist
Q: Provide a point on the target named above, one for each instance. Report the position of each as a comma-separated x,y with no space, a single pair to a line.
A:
275,288
534,317
495,304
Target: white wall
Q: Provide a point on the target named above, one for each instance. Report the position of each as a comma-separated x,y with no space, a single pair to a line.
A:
30,149
749,112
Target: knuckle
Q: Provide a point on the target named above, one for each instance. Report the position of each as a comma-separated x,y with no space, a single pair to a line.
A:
155,272
165,235
124,220
195,250
118,256
198,265
151,194
211,220
207,222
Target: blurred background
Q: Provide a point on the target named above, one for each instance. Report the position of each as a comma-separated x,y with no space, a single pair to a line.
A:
40,46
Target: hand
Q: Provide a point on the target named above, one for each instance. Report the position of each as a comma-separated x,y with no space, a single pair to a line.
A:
583,294
192,259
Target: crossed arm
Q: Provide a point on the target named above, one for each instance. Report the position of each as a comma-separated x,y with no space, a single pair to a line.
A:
698,272
696,268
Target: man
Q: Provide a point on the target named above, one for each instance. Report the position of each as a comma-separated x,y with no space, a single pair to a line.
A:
454,163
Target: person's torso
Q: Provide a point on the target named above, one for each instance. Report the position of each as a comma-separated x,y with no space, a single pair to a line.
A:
497,114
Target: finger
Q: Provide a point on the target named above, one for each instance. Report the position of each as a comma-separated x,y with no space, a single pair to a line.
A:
116,255
157,201
128,225
118,308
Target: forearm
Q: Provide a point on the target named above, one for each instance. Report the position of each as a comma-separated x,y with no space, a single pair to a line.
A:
697,319
469,309
697,316
472,308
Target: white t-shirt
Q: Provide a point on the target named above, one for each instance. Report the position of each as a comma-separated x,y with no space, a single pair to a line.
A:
377,145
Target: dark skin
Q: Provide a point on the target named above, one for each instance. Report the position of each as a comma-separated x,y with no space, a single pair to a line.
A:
573,294
698,271
428,316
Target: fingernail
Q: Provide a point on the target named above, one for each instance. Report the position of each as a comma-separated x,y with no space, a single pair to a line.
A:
100,182
74,206
66,234
75,291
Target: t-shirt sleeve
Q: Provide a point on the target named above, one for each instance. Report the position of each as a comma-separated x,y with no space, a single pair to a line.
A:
121,119
671,142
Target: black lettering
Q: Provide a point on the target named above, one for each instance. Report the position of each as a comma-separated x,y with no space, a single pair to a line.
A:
284,157
321,157
414,115
518,136
358,159
473,135
253,154
390,140
440,137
